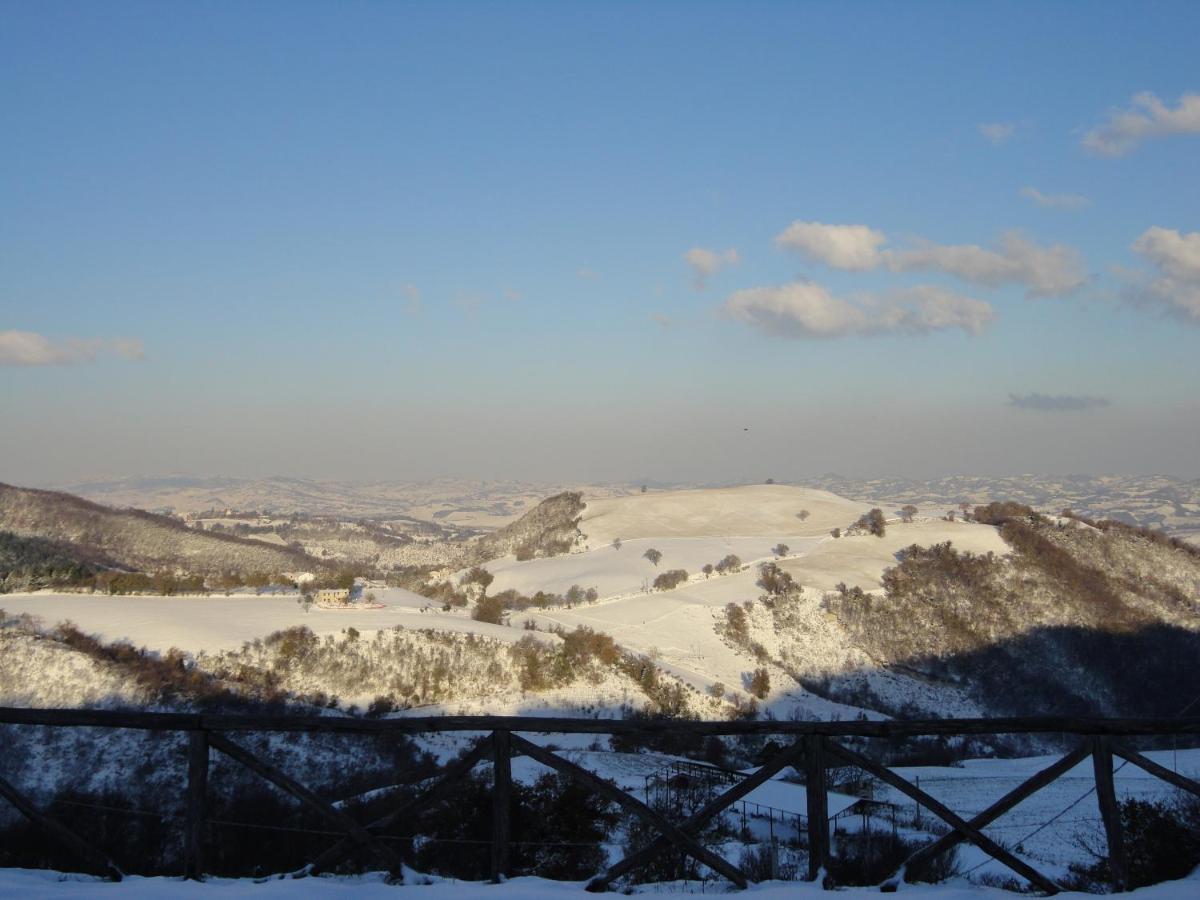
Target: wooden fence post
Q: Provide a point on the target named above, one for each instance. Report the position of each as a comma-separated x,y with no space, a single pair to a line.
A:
197,805
816,789
501,803
1110,811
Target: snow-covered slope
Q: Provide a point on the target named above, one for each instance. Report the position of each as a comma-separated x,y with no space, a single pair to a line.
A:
750,510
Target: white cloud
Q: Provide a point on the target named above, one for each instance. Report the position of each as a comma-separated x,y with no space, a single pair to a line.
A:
1176,281
706,263
1055,201
853,247
997,132
1044,271
1147,117
804,309
28,348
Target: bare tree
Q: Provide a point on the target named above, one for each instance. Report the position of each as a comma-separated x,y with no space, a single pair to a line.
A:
653,555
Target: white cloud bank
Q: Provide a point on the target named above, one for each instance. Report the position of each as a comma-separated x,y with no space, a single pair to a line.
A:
706,263
804,309
28,348
1044,271
1055,201
1147,117
1176,259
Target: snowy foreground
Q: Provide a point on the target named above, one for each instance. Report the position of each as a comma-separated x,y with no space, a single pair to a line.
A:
28,883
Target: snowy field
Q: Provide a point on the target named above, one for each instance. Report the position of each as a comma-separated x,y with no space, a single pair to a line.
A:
28,883
971,788
224,623
626,571
756,509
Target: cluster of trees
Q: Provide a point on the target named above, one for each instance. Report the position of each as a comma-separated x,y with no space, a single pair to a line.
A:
775,582
33,563
872,522
727,565
670,579
1035,631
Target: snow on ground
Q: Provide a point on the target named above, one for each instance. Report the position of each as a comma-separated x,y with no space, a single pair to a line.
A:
677,629
31,883
626,571
859,560
756,509
213,623
975,785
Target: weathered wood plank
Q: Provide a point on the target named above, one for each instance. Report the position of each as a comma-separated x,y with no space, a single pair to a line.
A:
1082,726
816,789
1110,812
672,832
60,832
939,809
197,806
1180,781
501,804
1023,791
780,761
450,777
335,817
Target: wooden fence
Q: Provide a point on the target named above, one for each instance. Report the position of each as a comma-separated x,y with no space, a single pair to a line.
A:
812,748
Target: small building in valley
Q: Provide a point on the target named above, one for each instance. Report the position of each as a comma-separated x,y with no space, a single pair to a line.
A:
332,597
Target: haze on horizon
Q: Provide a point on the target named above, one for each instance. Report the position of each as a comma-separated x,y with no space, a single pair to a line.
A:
549,242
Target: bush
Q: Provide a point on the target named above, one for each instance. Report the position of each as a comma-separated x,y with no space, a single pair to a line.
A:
731,563
489,609
872,522
1162,843
670,579
868,857
760,683
775,581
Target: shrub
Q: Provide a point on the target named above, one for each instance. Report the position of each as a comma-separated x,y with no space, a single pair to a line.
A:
489,609
760,683
872,522
1162,843
731,563
670,579
775,581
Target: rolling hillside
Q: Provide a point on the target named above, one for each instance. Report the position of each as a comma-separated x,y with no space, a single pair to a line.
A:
138,540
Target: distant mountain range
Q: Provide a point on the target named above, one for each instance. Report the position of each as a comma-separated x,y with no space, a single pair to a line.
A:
1156,501
458,502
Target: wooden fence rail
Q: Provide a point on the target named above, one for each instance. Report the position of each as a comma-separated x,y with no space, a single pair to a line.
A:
813,748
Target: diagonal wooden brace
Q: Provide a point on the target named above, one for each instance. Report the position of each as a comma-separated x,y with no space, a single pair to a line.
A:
340,820
1174,778
974,835
60,832
1023,791
451,775
670,831
777,763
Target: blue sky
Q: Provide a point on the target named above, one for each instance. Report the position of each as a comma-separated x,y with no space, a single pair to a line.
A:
369,240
